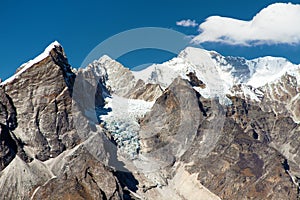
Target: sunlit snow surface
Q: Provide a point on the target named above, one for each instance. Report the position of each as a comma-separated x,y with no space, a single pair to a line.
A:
269,69
219,73
122,122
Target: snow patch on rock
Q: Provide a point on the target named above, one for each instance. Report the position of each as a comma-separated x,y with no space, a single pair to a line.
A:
30,63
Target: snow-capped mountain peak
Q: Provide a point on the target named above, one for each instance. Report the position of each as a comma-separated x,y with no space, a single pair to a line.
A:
218,72
30,63
268,69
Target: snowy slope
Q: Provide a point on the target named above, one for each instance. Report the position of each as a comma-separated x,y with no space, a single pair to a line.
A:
193,60
30,63
219,73
269,69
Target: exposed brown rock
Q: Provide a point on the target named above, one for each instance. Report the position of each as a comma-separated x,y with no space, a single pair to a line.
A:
147,92
195,81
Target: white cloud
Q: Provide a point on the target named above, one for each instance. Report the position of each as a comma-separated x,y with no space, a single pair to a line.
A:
187,23
278,23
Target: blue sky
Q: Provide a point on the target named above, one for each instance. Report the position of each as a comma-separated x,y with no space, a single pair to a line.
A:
26,28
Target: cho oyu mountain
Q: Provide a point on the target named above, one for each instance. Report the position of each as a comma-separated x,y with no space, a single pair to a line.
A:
200,126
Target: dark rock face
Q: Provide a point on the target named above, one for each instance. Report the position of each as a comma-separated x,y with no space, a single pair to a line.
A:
10,145
8,148
88,83
195,81
8,111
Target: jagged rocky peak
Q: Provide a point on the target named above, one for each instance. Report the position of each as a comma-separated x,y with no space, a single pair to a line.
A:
54,51
40,144
41,94
119,80
171,114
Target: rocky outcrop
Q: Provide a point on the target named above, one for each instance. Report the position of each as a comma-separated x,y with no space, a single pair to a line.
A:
81,177
119,80
195,82
282,96
241,167
10,145
171,115
8,111
148,92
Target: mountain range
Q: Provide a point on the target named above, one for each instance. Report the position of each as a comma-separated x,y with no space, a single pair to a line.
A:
200,126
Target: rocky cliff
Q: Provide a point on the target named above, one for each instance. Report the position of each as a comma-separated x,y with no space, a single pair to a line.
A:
42,154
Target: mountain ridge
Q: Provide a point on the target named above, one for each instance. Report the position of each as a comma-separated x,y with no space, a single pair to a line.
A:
192,50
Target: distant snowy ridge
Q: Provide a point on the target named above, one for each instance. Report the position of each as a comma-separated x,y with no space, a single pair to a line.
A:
30,63
220,73
269,69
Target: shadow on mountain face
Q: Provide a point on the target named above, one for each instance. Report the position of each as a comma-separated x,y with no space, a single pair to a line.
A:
125,177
